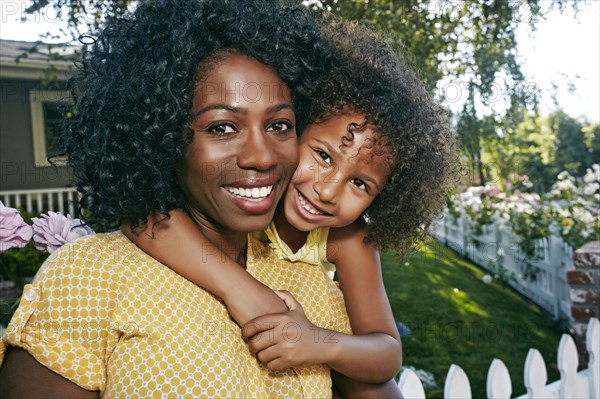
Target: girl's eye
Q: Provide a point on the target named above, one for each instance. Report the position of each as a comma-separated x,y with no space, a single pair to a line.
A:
221,128
280,127
360,184
324,156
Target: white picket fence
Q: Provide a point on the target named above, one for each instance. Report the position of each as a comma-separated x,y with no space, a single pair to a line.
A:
42,200
498,247
584,384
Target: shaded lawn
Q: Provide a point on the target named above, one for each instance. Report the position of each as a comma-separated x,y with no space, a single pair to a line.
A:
457,318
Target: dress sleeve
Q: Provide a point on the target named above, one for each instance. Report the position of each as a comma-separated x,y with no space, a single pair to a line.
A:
63,317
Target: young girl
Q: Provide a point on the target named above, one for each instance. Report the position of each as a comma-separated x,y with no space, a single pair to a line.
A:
375,165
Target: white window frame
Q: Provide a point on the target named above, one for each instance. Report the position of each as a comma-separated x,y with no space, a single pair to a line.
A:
37,98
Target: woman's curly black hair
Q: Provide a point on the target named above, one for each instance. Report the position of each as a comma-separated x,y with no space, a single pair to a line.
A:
370,76
133,92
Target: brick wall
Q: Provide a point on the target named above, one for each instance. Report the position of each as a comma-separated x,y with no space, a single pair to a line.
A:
584,290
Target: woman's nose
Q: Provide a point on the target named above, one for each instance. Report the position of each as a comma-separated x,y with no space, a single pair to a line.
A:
257,151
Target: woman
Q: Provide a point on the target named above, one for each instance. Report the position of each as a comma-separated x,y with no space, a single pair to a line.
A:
102,317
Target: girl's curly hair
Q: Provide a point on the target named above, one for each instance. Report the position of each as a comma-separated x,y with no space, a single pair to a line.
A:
133,92
370,76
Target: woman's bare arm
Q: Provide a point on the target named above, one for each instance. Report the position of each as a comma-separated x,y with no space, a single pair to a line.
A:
179,244
21,376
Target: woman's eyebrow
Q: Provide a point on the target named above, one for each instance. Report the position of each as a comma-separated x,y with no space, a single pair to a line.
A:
219,106
243,111
279,107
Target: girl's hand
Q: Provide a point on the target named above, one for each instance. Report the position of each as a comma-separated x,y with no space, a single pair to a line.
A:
287,339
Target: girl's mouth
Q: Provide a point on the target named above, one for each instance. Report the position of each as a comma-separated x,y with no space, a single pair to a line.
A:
307,210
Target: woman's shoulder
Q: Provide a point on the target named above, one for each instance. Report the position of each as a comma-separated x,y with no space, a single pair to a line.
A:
97,255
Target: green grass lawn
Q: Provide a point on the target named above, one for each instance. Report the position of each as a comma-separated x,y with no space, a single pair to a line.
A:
457,318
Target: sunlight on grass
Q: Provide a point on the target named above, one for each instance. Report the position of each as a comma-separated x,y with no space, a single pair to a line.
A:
469,327
463,302
435,278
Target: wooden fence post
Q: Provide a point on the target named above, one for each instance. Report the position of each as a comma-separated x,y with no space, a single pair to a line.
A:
457,384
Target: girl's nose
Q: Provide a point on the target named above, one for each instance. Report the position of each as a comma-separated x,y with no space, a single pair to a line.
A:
327,188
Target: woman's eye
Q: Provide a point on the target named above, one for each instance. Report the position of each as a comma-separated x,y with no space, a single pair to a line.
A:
360,184
280,126
324,156
221,128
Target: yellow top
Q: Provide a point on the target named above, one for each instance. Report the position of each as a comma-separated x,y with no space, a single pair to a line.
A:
105,315
313,252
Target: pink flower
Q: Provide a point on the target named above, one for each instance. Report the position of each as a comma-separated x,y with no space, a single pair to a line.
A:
14,232
53,230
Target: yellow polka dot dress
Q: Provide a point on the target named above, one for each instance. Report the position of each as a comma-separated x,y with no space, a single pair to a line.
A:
103,314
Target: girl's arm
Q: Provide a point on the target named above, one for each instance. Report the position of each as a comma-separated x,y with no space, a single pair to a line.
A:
372,355
358,268
346,388
178,243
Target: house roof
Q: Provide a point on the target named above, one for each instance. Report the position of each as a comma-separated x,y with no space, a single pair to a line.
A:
30,60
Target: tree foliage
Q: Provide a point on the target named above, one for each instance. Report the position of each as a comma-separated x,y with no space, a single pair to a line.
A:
79,18
473,39
465,45
469,47
571,152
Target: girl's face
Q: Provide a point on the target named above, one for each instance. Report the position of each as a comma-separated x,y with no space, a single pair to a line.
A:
244,148
334,183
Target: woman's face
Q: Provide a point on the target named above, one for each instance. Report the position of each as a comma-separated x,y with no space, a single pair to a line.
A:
244,148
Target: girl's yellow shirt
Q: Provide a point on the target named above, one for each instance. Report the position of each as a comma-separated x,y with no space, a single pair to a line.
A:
313,252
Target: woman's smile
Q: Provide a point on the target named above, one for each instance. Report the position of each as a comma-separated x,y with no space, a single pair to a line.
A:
253,196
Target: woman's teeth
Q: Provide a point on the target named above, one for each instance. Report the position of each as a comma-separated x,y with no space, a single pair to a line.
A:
254,193
307,207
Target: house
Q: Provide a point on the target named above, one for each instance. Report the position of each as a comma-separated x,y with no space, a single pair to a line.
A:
32,90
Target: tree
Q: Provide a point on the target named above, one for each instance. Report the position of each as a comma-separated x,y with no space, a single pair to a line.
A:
522,145
592,140
571,153
471,40
469,136
79,18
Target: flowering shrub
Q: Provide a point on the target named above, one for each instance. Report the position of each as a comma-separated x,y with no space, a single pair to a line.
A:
570,210
53,230
479,204
574,205
49,232
24,247
14,232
